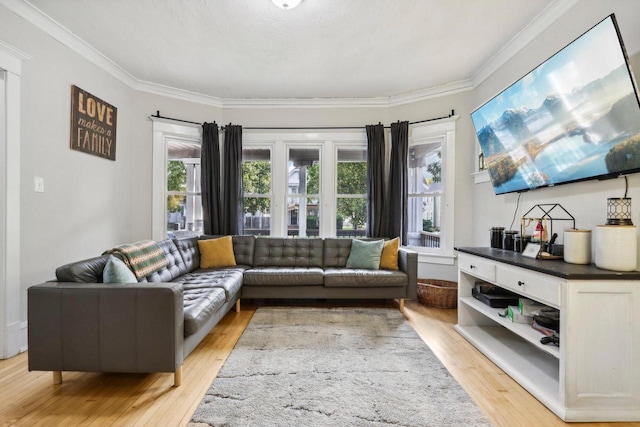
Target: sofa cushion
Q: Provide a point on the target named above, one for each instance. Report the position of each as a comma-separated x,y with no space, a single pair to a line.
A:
188,248
389,257
284,252
365,254
363,278
243,247
216,253
200,303
336,252
85,271
116,271
175,265
283,276
228,279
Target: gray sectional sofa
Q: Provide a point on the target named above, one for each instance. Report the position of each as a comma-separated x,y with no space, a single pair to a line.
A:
78,323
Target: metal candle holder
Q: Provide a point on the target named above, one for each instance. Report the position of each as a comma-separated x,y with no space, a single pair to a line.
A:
619,211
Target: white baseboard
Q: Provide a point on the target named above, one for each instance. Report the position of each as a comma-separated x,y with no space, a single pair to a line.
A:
24,336
13,336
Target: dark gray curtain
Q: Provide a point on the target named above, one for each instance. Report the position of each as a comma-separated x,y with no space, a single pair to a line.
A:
210,178
375,181
232,172
398,181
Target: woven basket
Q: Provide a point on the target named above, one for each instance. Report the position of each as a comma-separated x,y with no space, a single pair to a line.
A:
438,293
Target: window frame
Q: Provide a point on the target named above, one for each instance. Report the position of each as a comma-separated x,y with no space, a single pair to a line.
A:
303,197
188,194
269,195
336,196
164,131
445,130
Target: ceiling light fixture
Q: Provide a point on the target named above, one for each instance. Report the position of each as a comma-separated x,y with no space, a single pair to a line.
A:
286,4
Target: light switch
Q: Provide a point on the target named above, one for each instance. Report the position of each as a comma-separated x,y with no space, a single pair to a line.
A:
38,184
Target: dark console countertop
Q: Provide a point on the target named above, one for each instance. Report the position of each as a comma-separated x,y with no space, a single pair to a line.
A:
557,267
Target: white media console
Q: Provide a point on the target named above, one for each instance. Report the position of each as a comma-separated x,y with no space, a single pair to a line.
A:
595,373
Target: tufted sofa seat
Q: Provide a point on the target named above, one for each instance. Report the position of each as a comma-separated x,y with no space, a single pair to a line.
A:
316,268
79,323
286,262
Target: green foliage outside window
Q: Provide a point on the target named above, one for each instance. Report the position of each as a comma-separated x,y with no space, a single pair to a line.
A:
435,169
355,210
313,179
256,179
352,179
176,181
176,176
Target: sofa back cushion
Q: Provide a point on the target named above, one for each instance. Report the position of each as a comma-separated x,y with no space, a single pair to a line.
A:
284,252
175,264
243,247
336,252
85,271
189,251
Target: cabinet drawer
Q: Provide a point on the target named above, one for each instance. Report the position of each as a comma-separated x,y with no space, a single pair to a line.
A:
479,267
539,287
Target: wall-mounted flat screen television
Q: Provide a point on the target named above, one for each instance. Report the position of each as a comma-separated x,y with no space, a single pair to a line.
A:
574,117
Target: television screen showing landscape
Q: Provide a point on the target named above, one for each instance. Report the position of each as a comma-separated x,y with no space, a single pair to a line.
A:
574,117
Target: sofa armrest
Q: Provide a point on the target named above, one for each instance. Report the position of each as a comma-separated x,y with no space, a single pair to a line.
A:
105,327
408,263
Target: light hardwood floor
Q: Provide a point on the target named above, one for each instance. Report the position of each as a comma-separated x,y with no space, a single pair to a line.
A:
92,399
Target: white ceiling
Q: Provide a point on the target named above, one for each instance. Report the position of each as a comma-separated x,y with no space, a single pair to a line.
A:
364,49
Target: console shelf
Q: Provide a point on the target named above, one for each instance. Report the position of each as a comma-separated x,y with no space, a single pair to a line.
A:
525,332
538,372
595,373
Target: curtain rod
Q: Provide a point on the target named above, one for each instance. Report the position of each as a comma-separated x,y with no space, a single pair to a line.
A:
157,115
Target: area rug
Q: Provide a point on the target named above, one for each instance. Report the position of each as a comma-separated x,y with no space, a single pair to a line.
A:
334,367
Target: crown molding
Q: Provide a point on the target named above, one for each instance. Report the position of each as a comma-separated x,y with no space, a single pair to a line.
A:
181,94
50,26
429,93
536,27
38,18
381,102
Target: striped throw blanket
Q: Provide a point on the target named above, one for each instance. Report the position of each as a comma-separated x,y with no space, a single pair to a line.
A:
143,258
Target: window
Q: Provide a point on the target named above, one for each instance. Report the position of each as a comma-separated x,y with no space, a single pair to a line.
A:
184,201
425,194
430,204
351,192
303,197
256,184
316,182
176,199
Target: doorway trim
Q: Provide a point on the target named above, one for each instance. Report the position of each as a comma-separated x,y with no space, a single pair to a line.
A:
12,331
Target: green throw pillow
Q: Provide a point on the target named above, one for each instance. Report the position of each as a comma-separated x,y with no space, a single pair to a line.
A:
365,254
116,271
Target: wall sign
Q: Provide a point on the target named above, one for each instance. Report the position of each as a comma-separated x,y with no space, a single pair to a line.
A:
93,124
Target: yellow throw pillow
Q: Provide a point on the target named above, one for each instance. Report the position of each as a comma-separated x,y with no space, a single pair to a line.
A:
216,253
389,258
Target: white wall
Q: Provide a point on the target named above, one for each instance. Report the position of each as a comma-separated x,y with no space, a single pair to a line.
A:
87,203
586,201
